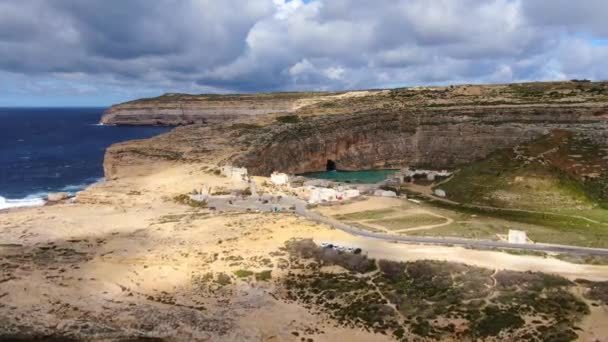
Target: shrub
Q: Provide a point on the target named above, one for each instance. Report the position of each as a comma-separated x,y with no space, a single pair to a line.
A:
186,200
289,119
496,321
264,275
223,279
243,273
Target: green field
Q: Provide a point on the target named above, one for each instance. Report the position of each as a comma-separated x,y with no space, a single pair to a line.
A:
366,215
409,221
540,227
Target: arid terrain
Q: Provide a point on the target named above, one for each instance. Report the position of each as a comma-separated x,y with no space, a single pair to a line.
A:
135,258
126,261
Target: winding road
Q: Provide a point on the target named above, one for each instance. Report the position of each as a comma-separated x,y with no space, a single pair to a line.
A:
267,204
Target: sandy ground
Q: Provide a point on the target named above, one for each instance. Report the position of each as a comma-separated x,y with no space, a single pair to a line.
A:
124,261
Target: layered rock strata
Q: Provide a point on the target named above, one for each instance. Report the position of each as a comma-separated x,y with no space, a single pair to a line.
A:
434,138
180,109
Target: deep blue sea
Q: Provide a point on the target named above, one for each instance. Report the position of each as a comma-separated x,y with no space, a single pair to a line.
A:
45,150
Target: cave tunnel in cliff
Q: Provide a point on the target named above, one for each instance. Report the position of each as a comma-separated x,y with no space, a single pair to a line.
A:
331,165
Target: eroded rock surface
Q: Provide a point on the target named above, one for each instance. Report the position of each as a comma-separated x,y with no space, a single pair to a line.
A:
182,109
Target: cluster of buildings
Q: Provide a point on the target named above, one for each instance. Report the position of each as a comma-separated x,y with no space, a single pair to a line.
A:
408,174
317,191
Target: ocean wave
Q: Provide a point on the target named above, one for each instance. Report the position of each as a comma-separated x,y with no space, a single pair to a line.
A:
29,201
39,198
74,188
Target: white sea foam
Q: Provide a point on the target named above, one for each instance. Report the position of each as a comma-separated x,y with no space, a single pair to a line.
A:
29,201
74,188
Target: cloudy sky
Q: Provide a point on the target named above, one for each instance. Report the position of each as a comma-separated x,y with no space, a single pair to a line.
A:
99,52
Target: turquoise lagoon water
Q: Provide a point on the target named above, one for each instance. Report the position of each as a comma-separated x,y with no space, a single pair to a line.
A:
361,176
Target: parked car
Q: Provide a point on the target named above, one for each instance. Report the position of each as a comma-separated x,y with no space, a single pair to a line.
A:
326,245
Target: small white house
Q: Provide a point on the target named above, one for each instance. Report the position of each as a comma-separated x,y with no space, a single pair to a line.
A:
385,193
517,236
351,193
235,173
319,195
279,178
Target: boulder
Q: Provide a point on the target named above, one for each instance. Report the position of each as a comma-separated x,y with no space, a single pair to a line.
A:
58,196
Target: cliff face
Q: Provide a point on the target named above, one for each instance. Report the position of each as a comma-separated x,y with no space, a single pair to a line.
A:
442,138
437,139
439,128
181,109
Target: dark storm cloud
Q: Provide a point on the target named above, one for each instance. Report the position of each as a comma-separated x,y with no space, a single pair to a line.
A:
242,45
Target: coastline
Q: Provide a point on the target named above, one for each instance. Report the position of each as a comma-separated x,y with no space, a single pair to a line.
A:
52,150
40,199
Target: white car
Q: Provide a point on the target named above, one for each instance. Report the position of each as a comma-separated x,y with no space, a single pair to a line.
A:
326,245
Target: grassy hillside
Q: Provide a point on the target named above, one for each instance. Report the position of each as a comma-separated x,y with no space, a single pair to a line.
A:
558,182
561,172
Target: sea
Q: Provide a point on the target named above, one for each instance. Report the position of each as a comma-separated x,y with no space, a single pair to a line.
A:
361,176
46,150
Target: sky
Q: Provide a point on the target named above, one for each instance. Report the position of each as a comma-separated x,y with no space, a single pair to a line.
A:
99,52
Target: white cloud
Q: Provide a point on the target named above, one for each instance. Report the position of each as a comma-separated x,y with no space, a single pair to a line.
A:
238,45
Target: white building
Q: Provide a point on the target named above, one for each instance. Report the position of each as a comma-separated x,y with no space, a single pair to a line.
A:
429,174
385,193
235,173
351,193
320,195
279,178
517,236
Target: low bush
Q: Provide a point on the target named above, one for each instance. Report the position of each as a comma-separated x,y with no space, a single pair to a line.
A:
243,273
264,275
186,200
289,119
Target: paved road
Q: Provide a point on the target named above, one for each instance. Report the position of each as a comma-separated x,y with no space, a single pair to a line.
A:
268,203
453,241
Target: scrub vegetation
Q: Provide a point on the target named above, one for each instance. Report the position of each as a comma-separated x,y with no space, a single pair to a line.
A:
434,299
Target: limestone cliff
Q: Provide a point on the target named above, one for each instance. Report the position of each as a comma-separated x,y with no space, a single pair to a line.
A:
442,128
439,138
182,109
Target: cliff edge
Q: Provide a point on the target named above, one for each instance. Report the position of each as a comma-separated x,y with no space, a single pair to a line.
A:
184,109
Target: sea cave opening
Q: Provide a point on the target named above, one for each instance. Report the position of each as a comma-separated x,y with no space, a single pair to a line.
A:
331,165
